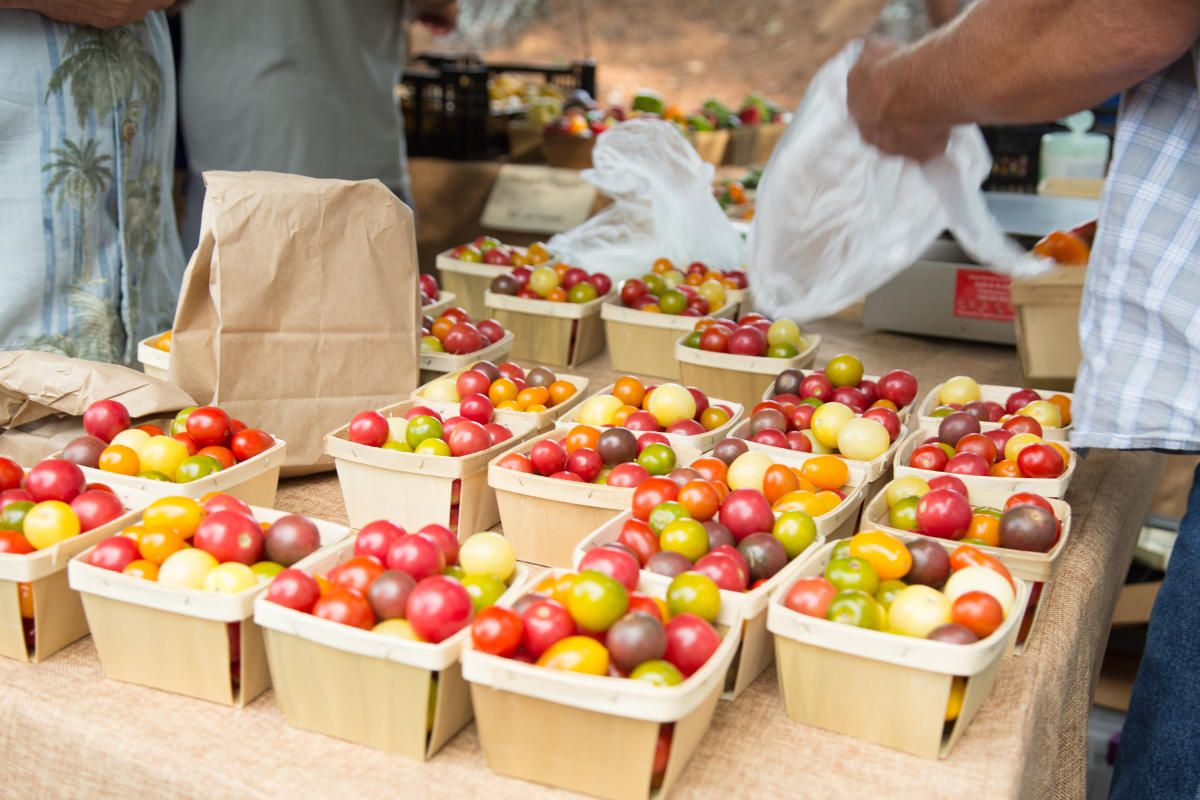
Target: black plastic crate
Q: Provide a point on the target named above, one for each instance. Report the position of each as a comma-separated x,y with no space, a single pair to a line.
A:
1016,156
445,103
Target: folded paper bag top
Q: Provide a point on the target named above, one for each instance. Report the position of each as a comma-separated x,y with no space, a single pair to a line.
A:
43,396
299,307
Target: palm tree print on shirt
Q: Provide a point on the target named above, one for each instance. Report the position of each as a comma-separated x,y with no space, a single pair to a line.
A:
115,85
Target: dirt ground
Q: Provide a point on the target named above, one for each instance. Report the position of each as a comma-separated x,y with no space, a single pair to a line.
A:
690,51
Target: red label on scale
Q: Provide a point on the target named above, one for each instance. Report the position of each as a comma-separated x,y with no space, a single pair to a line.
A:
980,294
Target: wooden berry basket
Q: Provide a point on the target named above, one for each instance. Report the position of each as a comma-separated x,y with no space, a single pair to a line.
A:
413,489
546,518
437,364
710,144
543,420
155,362
602,731
901,684
996,394
444,300
180,640
742,379
253,481
562,334
468,280
58,618
1047,487
643,342
755,649
1033,567
701,441
385,706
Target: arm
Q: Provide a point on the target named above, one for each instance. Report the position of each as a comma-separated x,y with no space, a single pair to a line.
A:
440,15
97,13
1013,61
940,11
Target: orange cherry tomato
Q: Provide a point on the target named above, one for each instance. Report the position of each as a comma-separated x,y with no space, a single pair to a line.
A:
713,417
502,389
629,390
180,514
652,308
25,599
582,436
156,545
695,279
324,584
807,502
120,459
985,528
1065,248
826,472
557,295
662,265
561,391
1006,469
532,395
562,587
163,342
966,555
441,326
778,480
622,414
153,430
704,323
700,498
711,469
1062,451
722,489
883,403
142,569
222,454
1064,407
887,554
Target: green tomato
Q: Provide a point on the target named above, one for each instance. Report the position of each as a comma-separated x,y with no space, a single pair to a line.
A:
12,518
196,467
973,541
852,573
487,243
431,344
664,514
402,447
657,459
855,607
691,592
796,531
947,449
887,591
841,549
433,447
782,350
672,301
420,428
693,340
471,253
783,331
655,283
153,475
179,424
903,515
582,292
844,370
658,672
455,571
485,590
597,601
685,536
266,570
989,511
812,401
941,411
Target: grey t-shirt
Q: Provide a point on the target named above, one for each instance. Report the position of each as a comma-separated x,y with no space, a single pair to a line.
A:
299,86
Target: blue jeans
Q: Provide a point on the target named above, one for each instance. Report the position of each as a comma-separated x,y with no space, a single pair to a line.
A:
1159,754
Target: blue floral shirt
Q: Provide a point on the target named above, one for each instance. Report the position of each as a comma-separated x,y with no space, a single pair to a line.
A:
89,252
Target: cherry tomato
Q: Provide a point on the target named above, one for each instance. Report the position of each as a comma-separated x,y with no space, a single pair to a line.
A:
887,554
985,528
115,553
690,643
978,611
826,472
223,455
11,474
637,536
693,593
49,523
438,607
14,542
119,459
597,601
497,631
855,607
852,573
810,596
700,498
158,544
651,493
146,570
209,426
346,607
1040,461
967,556
1031,498
180,514
711,469
543,623
356,574
294,588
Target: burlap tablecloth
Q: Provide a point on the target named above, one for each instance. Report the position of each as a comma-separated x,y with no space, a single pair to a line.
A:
65,731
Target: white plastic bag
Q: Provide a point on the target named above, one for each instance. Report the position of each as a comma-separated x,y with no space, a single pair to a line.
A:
836,218
663,206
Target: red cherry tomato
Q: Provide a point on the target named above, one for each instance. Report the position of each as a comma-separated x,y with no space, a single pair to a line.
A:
969,556
250,442
356,574
346,607
294,588
14,542
11,474
978,611
650,493
497,631
1028,498
637,536
1040,461
544,622
209,427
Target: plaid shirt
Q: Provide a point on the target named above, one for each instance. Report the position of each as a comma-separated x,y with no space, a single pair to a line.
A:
1139,325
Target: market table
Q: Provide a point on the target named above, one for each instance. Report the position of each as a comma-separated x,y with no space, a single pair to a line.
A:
66,731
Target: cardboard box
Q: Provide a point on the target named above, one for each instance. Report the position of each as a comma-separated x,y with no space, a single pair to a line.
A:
563,334
742,379
434,365
546,518
1047,309
1046,487
58,618
386,704
188,641
542,420
901,684
996,394
945,293
414,490
643,342
602,731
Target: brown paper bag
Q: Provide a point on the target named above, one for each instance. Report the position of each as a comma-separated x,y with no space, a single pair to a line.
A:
43,396
300,306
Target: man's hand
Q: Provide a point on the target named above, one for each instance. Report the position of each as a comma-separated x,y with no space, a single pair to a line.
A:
97,13
871,91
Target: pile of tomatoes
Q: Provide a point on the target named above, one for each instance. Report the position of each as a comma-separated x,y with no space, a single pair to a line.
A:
686,411
199,442
490,250
214,544
51,503
423,430
752,335
941,508
611,456
962,448
418,586
962,393
693,293
842,381
592,623
558,284
454,332
918,588
507,387
430,290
